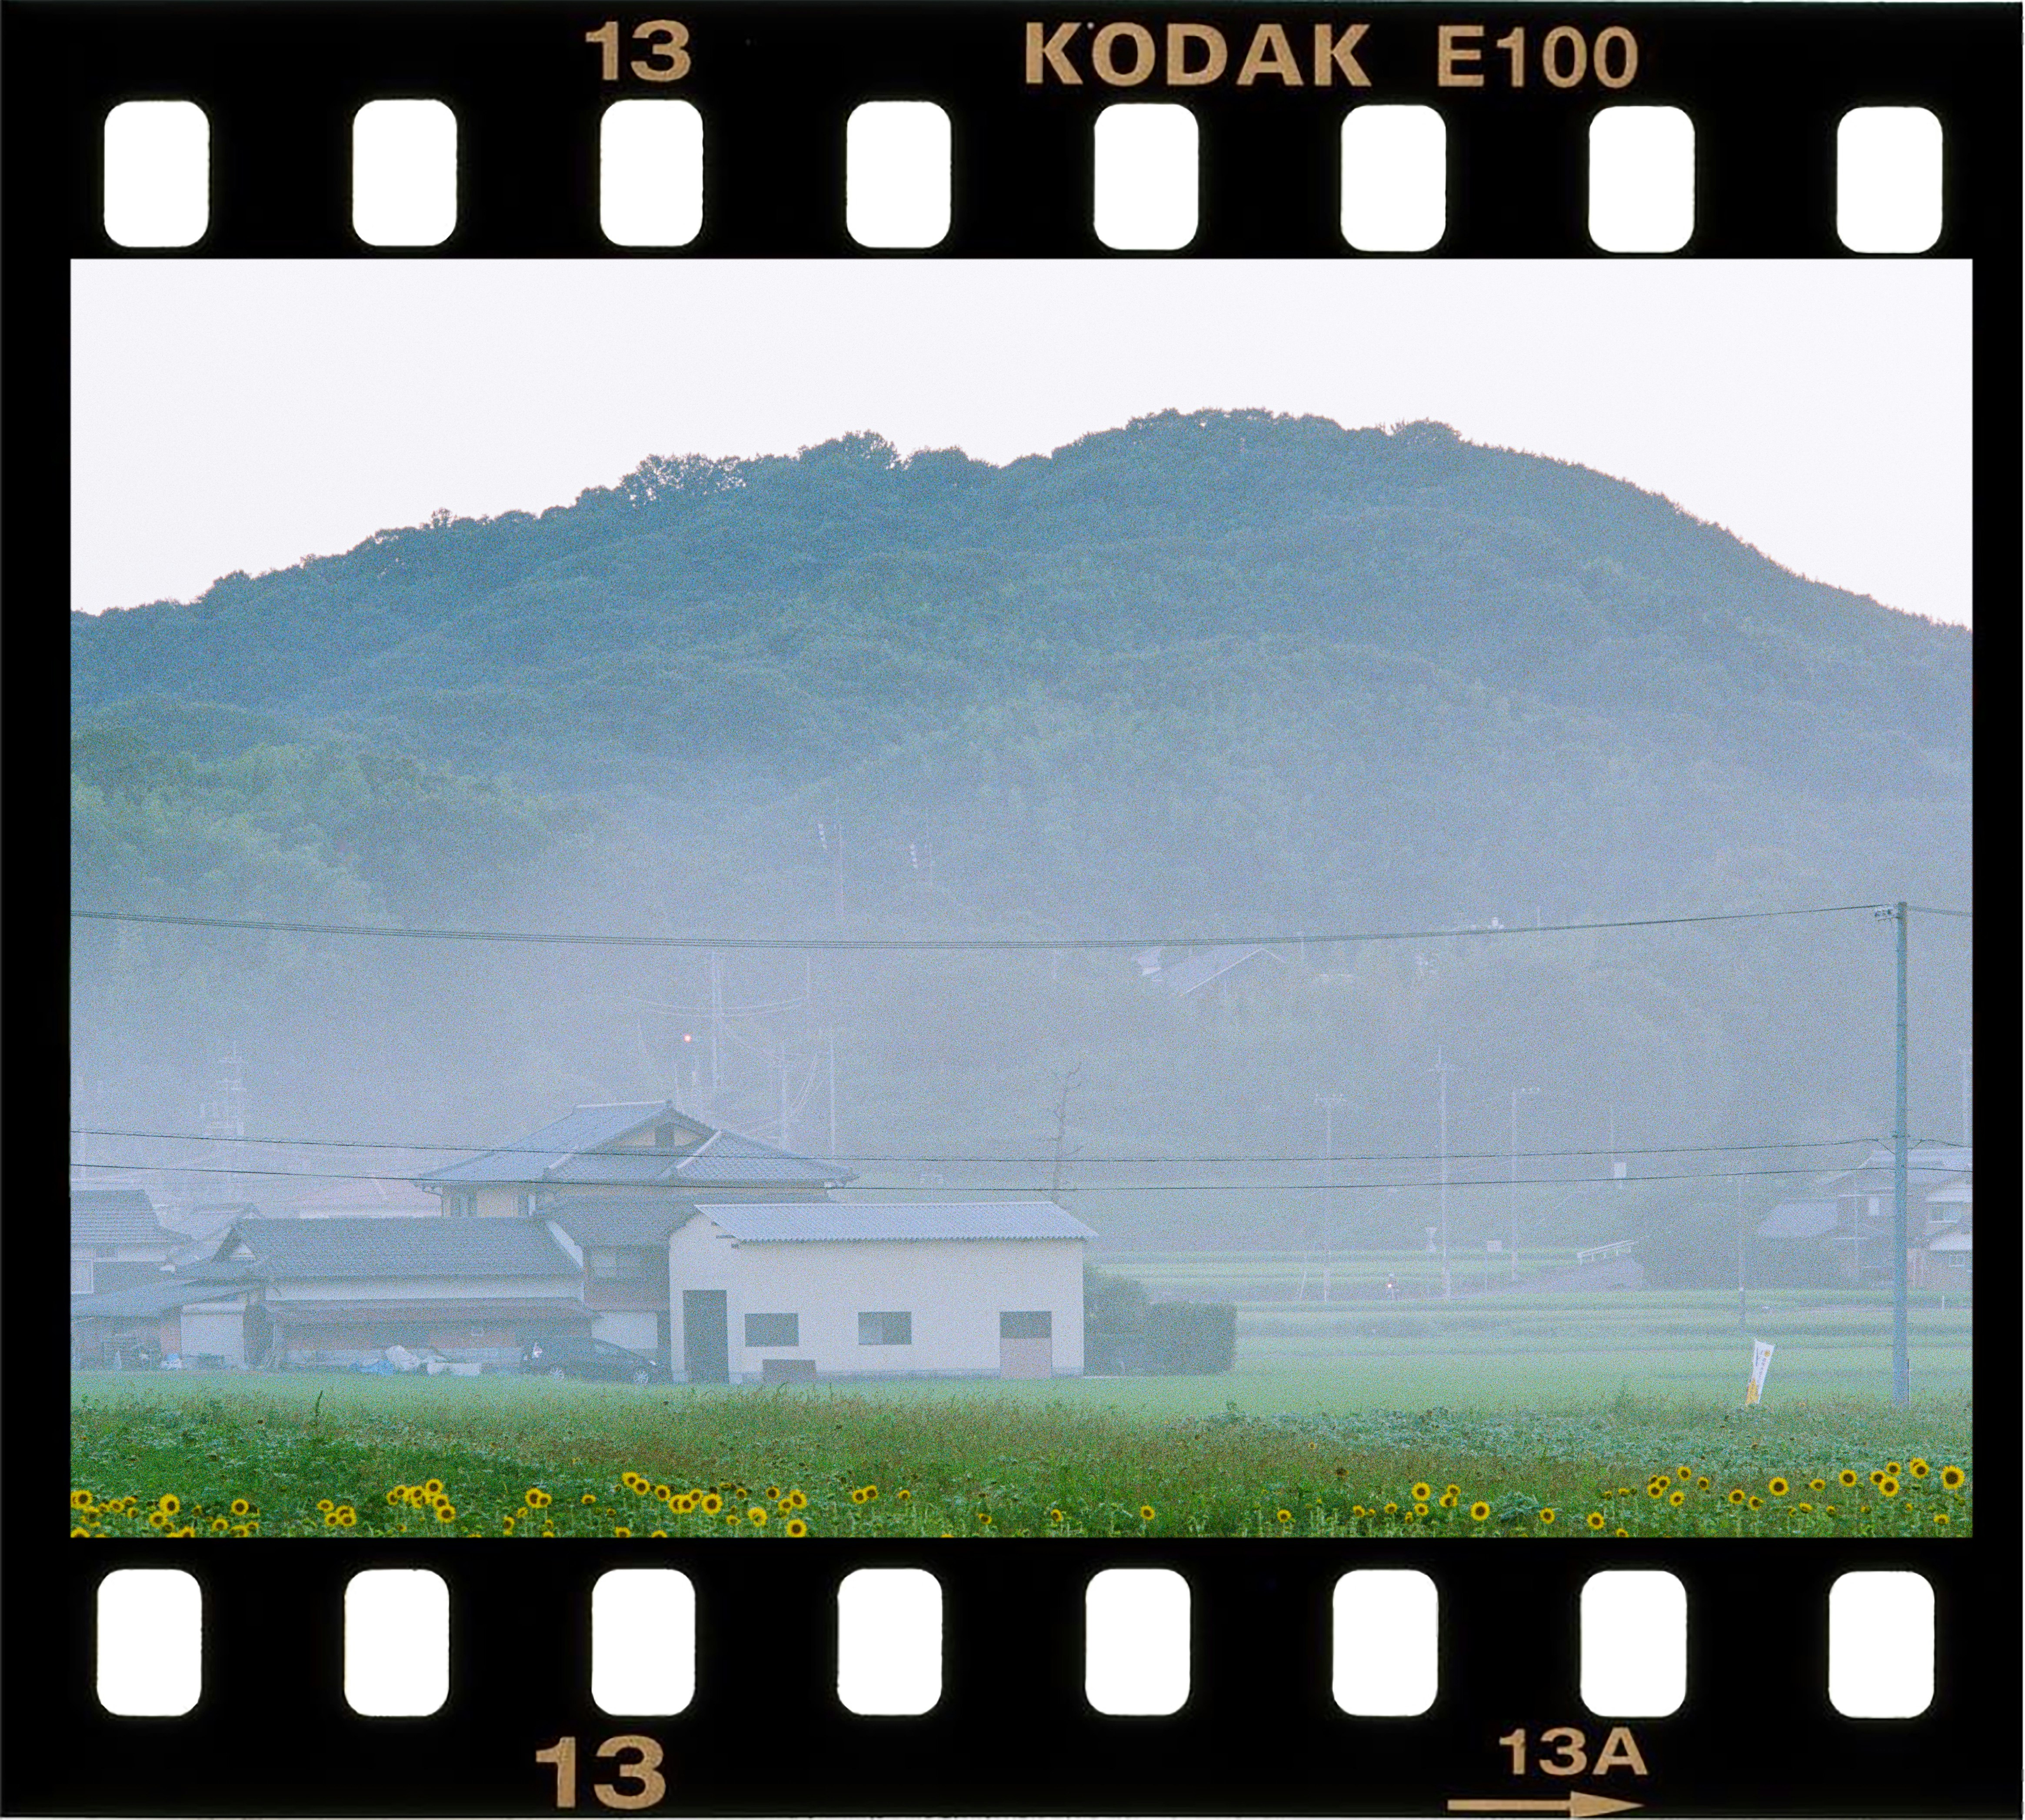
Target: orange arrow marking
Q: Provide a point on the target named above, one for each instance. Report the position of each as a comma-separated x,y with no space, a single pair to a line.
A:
1580,1805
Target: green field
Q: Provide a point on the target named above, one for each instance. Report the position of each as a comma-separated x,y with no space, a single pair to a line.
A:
1549,1441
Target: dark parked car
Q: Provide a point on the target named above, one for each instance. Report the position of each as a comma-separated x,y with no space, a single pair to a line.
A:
565,1356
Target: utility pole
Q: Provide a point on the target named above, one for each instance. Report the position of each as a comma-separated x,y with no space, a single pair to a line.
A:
1328,1102
1901,1370
1517,1094
783,1095
833,1093
1444,1069
1743,1320
1965,1055
716,1030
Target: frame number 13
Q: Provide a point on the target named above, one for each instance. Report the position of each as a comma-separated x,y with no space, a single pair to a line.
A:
667,58
639,1761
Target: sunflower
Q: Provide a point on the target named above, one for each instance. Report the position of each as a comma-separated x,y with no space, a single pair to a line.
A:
733,1516
798,1498
539,1497
1818,1484
1682,1472
446,1512
1286,1516
858,1495
1358,1510
1940,1518
1846,1478
773,1494
621,1529
219,1525
797,1527
158,1519
756,1515
1894,1468
1677,1498
346,1516
1145,1513
1452,1490
80,1500
1391,1510
1952,1477
905,1495
1479,1511
78,1530
683,1505
588,1498
1804,1506
712,1503
633,1482
1888,1485
1656,1487
1547,1514
1623,1531
1736,1496
506,1525
665,1492
1778,1487
1448,1500
871,1491
432,1487
1757,1503
1702,1483
984,1516
1422,1493
169,1504
1917,1467
1419,1510
1877,1475
1054,1514
1595,1519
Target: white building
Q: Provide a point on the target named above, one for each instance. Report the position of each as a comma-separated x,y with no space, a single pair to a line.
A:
779,1290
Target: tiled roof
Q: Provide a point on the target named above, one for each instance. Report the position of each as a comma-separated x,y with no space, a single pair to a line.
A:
447,1310
150,1298
762,1221
583,1127
102,1223
638,1220
370,1247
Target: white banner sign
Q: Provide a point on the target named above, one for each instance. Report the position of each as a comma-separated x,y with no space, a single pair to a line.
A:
1761,1362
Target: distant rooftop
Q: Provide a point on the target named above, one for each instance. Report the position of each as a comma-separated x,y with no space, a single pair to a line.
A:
788,1221
585,1148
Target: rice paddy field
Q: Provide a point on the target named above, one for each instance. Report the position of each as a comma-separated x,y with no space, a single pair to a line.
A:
1600,1416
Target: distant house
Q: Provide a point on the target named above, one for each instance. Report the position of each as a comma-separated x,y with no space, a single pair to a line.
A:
336,1291
1847,1223
621,1247
783,1290
116,1239
208,1316
635,1149
1201,968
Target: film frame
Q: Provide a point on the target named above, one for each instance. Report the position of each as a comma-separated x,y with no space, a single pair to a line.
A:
1012,1732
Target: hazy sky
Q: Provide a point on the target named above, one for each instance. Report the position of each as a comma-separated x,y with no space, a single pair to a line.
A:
229,414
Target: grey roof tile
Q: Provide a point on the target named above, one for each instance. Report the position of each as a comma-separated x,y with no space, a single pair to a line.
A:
370,1247
637,1220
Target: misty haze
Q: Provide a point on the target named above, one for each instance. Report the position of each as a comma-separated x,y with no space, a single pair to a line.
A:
1427,1054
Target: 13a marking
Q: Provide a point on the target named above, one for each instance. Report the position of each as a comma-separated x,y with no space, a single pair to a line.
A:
1566,1752
644,1770
667,58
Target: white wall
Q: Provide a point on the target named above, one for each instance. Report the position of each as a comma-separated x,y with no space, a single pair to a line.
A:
222,1330
955,1290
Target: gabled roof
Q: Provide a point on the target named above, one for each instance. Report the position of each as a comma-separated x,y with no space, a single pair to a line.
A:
370,1247
629,1220
572,1152
783,1221
1799,1219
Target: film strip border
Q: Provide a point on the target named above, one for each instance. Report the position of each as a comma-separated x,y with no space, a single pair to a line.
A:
1300,1679
795,129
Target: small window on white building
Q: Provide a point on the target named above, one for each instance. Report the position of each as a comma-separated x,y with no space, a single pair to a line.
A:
80,1276
885,1330
1026,1324
775,1329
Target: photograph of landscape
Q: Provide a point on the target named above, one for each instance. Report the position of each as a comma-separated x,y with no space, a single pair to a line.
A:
783,901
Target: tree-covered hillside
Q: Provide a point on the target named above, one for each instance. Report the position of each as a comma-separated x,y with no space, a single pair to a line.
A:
1219,673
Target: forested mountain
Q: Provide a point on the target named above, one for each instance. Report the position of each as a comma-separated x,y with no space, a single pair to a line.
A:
1220,673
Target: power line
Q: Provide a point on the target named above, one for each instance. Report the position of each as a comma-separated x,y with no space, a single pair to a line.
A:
1235,1157
950,945
1024,1188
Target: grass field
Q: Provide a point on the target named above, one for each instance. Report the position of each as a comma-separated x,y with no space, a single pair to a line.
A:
1536,1444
